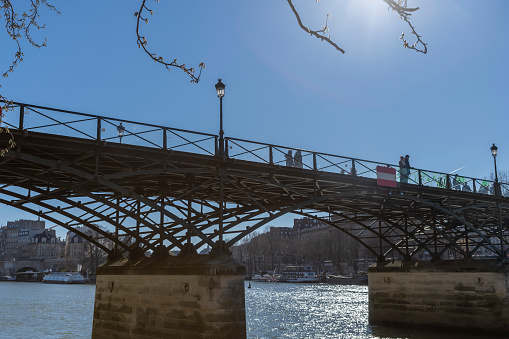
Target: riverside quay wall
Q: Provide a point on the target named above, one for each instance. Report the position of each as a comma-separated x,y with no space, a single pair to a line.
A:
457,294
197,296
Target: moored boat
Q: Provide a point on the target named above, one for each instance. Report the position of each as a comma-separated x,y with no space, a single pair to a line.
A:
64,278
300,274
7,278
262,278
29,276
347,280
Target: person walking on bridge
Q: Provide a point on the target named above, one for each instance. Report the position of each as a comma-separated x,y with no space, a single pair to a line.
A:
403,177
297,159
289,159
408,167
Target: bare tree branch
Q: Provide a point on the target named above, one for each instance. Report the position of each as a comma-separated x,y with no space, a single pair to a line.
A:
400,7
18,27
318,33
142,43
397,6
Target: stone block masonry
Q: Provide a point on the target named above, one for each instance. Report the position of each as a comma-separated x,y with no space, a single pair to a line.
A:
465,295
198,296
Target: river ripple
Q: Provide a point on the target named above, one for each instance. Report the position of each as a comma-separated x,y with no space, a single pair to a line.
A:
273,310
278,310
36,310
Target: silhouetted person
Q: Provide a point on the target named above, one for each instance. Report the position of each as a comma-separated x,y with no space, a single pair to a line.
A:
408,167
353,171
403,174
466,188
289,159
120,130
297,159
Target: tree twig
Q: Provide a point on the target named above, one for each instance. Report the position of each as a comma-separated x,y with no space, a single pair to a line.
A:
397,6
318,33
142,43
400,7
18,26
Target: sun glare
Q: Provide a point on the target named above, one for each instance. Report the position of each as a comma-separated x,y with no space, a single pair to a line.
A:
368,22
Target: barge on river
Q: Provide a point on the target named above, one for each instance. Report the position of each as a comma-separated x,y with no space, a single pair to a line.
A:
64,278
299,274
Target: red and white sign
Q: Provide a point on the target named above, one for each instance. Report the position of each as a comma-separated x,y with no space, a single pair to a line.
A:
386,176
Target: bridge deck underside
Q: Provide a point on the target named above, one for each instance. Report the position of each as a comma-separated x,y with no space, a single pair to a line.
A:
152,196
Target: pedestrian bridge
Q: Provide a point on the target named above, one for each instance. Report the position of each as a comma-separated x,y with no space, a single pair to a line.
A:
148,188
156,188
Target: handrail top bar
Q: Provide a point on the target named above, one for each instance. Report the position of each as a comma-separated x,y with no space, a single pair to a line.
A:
15,103
108,118
350,158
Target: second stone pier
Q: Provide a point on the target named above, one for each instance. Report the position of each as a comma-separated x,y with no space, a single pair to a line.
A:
198,296
465,295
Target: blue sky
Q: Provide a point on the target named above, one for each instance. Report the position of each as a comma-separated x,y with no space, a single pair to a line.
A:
378,101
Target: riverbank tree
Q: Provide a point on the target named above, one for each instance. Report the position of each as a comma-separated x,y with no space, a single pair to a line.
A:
270,251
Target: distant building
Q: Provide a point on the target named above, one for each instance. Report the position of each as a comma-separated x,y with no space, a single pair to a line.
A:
75,245
281,232
309,241
85,255
301,227
45,245
3,239
306,222
17,237
321,229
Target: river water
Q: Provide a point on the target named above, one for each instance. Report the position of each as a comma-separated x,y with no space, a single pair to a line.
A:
273,310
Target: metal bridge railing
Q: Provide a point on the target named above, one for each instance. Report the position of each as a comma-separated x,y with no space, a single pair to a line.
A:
94,127
278,155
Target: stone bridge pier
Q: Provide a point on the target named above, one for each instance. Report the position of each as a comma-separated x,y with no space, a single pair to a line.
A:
196,296
467,295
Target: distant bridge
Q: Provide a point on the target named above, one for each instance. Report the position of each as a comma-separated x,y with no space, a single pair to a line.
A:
159,188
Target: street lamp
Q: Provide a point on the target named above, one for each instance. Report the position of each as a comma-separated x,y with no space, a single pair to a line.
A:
498,192
494,153
220,93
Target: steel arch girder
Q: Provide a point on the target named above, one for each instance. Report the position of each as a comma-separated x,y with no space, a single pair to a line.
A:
454,215
289,209
94,197
58,222
356,193
343,230
100,181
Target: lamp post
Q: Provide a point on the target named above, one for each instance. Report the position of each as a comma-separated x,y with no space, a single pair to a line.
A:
220,93
494,150
494,153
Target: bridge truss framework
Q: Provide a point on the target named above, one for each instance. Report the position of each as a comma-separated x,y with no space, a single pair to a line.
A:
159,189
